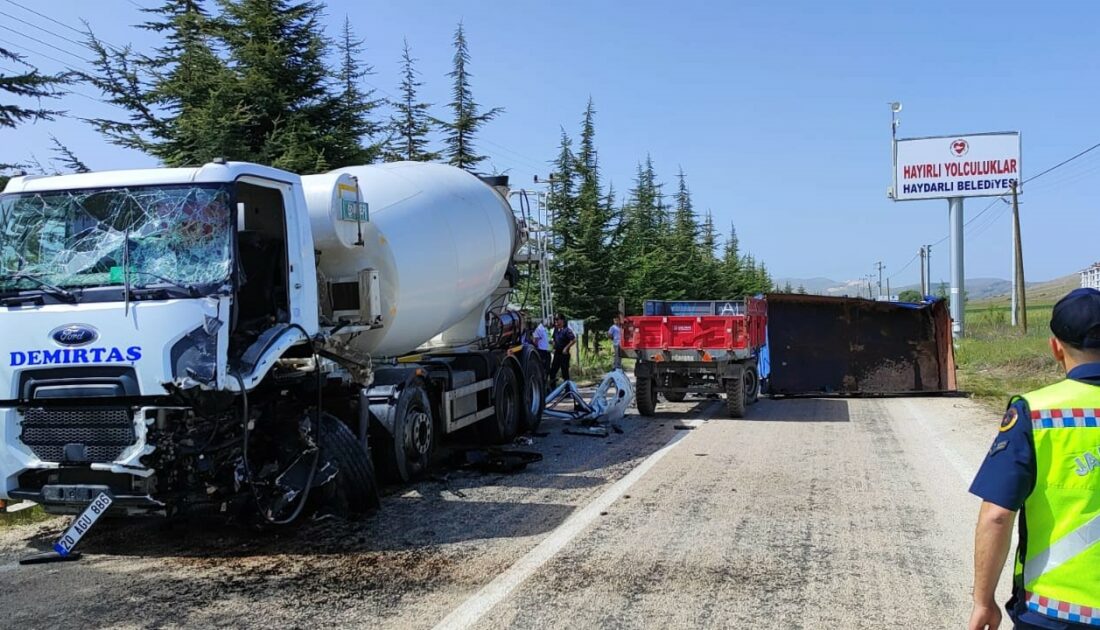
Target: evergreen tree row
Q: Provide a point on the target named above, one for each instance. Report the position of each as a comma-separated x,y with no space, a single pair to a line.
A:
648,246
259,80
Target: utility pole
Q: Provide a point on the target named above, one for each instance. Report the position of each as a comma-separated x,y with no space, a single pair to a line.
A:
1018,251
923,277
880,267
928,262
958,276
888,294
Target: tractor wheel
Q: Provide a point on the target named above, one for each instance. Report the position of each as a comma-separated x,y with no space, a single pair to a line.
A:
752,386
646,396
735,392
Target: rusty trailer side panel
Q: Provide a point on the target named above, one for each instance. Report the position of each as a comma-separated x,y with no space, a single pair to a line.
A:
852,346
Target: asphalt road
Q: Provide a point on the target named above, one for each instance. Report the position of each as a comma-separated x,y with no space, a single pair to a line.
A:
810,513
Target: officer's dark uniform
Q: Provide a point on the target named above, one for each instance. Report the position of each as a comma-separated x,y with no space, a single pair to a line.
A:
1007,475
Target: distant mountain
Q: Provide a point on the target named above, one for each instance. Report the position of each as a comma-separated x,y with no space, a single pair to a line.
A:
977,289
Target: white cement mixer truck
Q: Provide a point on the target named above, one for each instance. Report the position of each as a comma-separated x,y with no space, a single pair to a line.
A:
245,340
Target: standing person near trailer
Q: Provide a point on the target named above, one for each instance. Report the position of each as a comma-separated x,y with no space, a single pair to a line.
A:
564,340
615,334
540,338
1045,463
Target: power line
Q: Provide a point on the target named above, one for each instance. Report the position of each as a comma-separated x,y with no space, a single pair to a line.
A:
74,92
904,267
1029,179
59,49
28,49
44,30
1062,163
59,23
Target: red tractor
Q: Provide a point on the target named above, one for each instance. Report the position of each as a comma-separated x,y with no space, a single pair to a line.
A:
697,347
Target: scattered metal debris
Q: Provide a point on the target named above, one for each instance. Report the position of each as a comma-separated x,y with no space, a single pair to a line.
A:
605,405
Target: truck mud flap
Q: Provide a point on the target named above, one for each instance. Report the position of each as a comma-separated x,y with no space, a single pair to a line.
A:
851,346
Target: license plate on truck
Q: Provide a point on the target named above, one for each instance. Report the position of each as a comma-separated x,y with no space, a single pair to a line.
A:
83,523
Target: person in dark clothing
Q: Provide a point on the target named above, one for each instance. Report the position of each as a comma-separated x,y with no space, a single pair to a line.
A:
564,340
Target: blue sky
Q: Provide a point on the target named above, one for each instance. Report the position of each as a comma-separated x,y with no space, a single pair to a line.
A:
776,111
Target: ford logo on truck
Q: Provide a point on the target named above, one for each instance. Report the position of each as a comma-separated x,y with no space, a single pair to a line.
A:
74,335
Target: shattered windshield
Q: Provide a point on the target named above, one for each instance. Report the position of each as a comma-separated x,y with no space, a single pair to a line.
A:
81,238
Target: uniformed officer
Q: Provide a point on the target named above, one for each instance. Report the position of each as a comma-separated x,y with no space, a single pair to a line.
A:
1045,463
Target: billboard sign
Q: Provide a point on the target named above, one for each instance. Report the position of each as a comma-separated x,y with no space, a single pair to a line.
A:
977,165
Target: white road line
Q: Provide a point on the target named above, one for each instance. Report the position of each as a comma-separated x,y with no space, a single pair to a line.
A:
474,608
965,468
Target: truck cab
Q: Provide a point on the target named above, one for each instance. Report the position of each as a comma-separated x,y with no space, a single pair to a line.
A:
121,295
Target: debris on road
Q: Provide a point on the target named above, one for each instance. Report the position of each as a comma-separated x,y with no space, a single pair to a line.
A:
496,460
604,405
592,431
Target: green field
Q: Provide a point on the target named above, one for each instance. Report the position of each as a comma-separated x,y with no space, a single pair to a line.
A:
997,360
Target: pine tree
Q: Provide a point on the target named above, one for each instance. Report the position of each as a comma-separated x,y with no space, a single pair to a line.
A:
730,273
708,284
467,120
251,83
410,123
67,158
644,260
353,111
595,217
562,206
29,84
181,100
684,261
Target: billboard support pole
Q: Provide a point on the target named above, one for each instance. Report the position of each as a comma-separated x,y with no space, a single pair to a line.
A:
958,282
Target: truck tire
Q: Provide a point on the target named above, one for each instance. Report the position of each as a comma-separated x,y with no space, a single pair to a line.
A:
646,395
752,385
735,392
502,426
534,392
414,433
676,380
354,491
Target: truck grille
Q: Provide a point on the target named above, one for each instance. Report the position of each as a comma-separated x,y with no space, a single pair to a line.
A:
104,433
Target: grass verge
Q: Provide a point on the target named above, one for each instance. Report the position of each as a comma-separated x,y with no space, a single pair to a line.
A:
23,517
997,361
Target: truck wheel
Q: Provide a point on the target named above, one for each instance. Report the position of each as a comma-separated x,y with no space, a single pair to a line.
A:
735,392
534,393
676,380
414,433
646,396
355,489
502,426
752,386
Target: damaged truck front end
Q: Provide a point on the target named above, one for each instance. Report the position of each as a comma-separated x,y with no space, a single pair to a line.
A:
127,360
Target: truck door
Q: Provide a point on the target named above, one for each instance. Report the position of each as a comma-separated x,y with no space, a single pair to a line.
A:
262,264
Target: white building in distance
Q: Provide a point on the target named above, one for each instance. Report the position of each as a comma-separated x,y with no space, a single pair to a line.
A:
1090,277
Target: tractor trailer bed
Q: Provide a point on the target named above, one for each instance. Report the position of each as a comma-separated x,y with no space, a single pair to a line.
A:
713,352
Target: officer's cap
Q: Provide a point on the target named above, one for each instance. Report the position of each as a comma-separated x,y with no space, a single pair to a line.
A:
1076,319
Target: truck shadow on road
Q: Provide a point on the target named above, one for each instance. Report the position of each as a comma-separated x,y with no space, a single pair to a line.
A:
799,410
456,505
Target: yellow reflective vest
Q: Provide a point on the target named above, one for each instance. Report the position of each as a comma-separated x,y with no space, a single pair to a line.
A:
1059,569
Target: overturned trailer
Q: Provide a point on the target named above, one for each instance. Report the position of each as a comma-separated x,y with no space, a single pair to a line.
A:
853,346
